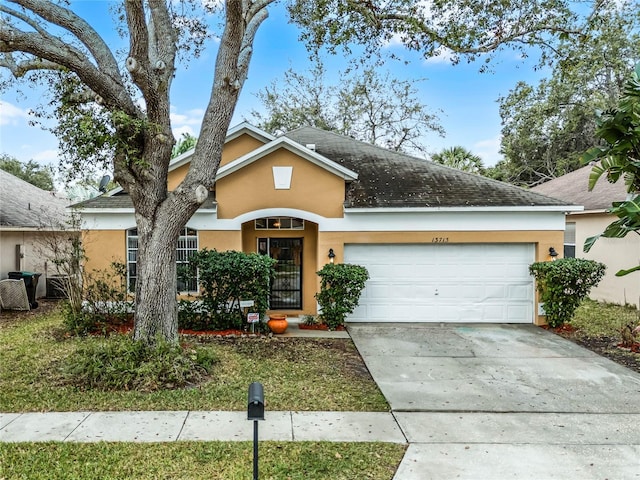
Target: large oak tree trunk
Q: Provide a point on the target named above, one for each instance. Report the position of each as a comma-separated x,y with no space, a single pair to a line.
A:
156,315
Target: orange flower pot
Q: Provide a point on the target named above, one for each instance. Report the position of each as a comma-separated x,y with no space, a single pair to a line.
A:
277,323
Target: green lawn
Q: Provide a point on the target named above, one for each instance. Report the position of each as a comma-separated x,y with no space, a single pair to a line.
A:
199,460
596,319
293,371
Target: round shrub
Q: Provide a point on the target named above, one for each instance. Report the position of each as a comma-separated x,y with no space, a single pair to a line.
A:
563,284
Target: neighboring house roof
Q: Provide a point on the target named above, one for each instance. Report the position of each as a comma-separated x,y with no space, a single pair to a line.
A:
391,179
574,187
25,206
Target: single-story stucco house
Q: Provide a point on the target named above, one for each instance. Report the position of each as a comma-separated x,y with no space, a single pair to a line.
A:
30,219
615,253
440,245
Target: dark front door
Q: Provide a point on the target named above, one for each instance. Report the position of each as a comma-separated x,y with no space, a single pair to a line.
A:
286,287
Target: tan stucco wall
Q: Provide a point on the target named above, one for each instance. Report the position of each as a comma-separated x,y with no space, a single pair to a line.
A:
176,176
238,147
542,239
615,253
220,241
102,247
252,188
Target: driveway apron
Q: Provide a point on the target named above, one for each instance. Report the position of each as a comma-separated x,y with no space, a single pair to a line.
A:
503,401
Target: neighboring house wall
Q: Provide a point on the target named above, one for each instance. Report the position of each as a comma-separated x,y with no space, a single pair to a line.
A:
30,219
36,255
617,253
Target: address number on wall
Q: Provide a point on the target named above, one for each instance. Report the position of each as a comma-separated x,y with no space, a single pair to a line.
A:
440,240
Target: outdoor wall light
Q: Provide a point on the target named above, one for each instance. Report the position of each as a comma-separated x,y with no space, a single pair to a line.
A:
552,253
331,255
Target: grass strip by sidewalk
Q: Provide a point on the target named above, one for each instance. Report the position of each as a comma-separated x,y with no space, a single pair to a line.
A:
197,460
297,374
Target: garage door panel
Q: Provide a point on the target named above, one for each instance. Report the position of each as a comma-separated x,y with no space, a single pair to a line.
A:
445,283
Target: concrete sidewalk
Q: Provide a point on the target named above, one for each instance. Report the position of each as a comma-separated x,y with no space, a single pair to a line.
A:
172,426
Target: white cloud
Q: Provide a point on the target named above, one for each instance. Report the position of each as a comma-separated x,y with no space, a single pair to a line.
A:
488,150
177,132
10,114
191,117
443,55
46,156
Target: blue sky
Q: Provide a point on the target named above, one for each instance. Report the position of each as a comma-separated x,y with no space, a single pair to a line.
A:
465,100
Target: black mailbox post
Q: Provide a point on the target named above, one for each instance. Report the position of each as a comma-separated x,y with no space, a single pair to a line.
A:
255,412
255,408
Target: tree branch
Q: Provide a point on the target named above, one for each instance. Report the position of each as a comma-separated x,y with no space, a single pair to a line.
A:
99,72
82,30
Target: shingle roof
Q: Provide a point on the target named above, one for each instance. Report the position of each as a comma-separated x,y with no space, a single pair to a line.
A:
123,200
574,187
391,179
388,179
23,205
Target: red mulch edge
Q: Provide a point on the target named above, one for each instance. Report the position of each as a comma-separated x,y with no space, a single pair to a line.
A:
564,328
320,326
635,348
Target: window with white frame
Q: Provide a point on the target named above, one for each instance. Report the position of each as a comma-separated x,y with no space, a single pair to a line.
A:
187,246
570,240
279,223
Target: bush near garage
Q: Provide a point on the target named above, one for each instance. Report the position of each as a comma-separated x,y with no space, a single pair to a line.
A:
340,287
563,284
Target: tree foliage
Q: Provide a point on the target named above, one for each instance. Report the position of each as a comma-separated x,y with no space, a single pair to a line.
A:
32,172
186,143
112,104
460,158
563,284
619,159
461,29
547,127
366,105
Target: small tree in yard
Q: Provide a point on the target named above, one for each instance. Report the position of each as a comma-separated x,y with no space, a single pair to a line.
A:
340,287
563,284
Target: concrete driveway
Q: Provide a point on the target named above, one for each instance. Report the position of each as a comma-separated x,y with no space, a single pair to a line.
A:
503,401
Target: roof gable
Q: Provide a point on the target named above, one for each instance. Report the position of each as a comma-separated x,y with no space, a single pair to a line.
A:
294,147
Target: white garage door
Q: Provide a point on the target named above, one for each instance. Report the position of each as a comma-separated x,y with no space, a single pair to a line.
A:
445,283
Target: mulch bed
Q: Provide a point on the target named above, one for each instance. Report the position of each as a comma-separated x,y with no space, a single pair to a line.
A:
608,347
320,326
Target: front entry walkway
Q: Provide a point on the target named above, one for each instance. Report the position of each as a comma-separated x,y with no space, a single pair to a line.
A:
503,401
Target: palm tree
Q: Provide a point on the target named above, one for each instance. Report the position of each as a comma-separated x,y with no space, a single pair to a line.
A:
460,158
